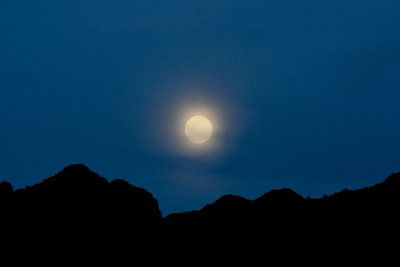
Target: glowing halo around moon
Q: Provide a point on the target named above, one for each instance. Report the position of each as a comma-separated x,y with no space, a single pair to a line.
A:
198,129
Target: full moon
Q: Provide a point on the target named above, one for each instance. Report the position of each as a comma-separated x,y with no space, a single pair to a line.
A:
198,129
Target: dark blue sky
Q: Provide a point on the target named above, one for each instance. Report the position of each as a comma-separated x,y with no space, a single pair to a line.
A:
303,94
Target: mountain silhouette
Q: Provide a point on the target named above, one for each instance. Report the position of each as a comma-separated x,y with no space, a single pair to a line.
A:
78,206
79,210
78,192
283,225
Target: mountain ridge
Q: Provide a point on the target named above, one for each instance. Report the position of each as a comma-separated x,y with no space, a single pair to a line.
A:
72,175
80,207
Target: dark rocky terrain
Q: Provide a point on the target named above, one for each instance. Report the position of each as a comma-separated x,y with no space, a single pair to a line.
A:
80,210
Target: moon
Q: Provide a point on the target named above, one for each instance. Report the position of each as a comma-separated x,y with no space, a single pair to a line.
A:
198,129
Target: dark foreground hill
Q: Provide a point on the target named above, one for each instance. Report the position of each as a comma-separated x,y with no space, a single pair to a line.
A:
77,209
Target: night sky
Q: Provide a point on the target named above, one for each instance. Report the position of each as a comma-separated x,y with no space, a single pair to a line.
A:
302,94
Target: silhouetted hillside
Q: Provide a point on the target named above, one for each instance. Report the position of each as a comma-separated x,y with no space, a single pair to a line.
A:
281,222
6,189
77,190
78,206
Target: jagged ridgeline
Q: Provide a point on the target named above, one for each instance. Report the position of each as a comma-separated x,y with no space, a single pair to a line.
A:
80,206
